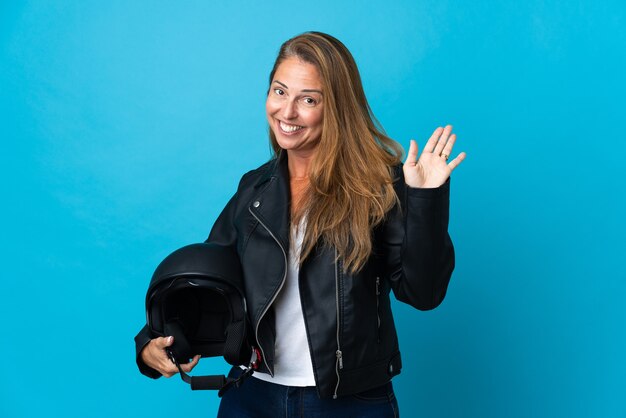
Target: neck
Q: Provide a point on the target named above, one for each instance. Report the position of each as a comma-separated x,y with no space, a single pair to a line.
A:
298,164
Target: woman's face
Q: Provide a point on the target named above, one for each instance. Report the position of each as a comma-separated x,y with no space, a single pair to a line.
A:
294,106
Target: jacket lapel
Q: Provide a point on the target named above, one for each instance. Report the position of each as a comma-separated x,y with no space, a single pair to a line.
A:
271,203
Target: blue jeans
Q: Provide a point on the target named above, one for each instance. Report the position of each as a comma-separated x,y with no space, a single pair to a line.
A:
256,398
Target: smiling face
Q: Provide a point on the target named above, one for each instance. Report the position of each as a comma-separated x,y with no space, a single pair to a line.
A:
294,106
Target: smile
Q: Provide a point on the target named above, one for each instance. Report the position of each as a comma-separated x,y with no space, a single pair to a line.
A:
289,129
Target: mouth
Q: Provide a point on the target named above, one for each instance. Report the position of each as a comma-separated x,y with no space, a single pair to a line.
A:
288,129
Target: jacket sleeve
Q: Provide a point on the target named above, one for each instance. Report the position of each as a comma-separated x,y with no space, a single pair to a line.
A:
223,231
141,340
419,253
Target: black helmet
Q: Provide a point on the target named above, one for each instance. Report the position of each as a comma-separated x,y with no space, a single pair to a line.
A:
196,296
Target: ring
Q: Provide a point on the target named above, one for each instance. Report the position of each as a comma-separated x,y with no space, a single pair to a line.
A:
445,156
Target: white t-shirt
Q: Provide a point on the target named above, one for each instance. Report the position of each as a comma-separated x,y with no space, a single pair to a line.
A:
292,358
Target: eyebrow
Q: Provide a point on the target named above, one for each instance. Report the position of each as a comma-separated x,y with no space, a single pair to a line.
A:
304,91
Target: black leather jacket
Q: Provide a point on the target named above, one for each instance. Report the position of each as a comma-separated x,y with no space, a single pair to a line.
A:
349,324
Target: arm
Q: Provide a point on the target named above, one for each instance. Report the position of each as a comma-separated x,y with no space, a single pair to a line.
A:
223,231
420,256
142,339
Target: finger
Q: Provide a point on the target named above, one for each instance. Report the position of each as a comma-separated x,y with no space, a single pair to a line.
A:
443,139
163,342
166,364
160,352
154,352
168,370
189,366
454,163
447,150
411,157
432,141
154,356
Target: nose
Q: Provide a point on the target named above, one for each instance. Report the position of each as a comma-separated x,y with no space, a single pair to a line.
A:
289,110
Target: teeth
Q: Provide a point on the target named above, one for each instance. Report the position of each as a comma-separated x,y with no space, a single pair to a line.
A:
289,128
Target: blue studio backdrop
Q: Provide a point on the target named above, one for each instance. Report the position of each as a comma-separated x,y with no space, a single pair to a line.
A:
125,127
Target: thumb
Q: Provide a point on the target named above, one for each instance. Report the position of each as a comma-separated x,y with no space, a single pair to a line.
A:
163,342
411,157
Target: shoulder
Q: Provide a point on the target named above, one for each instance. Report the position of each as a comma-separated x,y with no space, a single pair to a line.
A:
263,168
256,176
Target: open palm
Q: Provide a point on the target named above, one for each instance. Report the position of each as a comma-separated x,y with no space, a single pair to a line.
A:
432,168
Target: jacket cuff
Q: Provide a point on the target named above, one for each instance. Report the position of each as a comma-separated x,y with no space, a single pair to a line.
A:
141,340
427,193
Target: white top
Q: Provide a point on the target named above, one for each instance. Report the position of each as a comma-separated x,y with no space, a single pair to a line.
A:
292,358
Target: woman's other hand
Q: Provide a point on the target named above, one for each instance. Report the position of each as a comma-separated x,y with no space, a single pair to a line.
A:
154,355
432,169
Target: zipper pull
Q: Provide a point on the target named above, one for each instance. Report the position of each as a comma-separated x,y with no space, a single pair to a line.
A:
339,358
377,286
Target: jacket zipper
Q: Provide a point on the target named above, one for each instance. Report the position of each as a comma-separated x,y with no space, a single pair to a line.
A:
338,353
282,283
378,308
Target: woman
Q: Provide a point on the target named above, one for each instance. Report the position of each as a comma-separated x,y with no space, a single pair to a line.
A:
324,231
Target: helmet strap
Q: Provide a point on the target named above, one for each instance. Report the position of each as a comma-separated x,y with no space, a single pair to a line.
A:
217,382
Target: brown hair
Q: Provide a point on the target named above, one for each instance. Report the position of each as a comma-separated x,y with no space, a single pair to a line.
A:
351,185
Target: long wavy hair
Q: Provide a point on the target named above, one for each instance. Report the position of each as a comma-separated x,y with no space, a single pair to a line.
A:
350,182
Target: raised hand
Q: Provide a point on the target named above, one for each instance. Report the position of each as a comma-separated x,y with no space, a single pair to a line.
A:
432,168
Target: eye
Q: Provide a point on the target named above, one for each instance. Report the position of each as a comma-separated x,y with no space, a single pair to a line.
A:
279,92
310,101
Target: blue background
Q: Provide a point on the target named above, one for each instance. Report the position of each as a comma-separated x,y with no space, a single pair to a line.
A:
125,127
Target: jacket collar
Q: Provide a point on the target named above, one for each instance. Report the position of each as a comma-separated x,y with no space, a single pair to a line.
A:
272,200
277,167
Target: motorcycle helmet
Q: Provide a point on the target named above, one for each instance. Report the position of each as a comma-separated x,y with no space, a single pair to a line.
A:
196,295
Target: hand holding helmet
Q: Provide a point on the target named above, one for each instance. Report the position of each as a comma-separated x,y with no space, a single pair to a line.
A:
155,356
196,308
